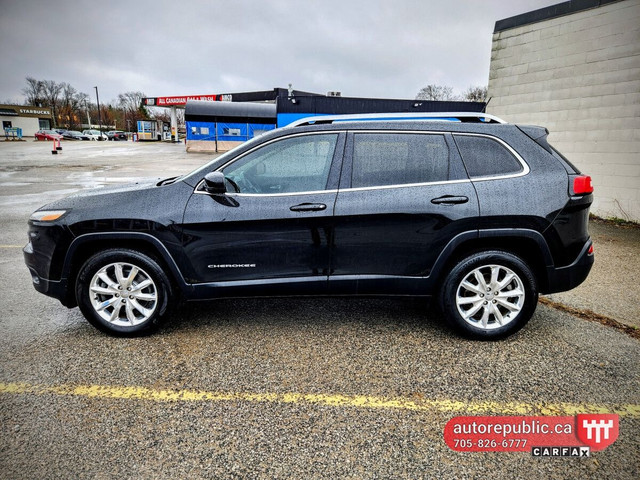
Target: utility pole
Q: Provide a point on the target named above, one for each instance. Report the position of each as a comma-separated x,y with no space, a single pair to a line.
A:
99,118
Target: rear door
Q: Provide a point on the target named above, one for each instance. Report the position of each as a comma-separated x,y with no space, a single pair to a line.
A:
403,196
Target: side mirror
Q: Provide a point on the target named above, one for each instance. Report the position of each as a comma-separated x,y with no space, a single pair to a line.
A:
214,183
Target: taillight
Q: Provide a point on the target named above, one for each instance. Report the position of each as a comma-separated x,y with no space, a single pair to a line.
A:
590,252
582,185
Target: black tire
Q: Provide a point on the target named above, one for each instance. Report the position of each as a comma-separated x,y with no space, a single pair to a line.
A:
505,305
135,304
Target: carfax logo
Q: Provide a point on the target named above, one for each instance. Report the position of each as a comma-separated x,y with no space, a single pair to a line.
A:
560,451
597,431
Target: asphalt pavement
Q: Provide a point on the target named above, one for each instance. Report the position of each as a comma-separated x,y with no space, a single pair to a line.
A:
612,288
288,388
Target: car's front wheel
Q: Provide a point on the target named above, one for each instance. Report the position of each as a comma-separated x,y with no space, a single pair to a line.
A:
489,295
123,292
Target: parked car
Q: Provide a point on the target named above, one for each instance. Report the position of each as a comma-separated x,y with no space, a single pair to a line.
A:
480,214
75,135
95,134
47,135
116,135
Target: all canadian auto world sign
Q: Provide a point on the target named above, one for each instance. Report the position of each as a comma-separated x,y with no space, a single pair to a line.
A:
182,100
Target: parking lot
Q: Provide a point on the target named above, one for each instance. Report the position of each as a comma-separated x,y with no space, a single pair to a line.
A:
281,388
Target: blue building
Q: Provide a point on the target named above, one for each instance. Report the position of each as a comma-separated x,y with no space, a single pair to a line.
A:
219,126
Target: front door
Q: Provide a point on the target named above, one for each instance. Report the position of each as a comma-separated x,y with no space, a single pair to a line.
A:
273,227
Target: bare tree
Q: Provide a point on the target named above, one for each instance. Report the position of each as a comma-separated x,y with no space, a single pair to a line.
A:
475,94
436,92
131,101
161,114
68,105
83,103
132,108
33,94
51,91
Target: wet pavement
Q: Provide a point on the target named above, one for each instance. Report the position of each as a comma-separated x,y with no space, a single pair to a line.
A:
75,403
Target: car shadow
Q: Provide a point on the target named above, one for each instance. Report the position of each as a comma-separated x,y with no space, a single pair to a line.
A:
397,312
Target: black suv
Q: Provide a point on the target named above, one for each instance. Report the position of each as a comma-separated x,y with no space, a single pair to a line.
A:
482,214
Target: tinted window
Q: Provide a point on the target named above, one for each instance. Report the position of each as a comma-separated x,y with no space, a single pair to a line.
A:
381,159
485,157
296,164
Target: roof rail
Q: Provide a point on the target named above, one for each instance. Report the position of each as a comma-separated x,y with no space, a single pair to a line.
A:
421,116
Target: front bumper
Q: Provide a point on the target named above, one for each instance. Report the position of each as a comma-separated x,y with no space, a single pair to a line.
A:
52,288
565,278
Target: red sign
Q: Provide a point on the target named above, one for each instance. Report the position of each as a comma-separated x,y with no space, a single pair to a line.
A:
521,434
597,431
170,101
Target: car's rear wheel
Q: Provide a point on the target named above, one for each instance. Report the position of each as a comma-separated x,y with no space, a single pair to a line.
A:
123,292
489,295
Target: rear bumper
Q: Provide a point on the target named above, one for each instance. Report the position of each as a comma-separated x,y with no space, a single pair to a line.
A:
565,278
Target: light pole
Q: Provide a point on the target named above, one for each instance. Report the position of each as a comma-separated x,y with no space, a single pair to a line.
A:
99,118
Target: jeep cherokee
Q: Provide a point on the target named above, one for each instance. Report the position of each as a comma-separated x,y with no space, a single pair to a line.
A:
481,214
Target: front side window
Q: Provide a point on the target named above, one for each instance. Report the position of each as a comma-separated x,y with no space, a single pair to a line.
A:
290,165
485,157
382,159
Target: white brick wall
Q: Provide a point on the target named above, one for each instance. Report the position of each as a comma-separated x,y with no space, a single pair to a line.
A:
579,76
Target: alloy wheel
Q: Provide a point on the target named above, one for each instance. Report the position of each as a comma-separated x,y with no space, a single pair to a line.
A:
123,294
490,297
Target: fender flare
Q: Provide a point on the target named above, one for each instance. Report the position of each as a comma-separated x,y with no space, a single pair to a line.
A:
463,237
139,236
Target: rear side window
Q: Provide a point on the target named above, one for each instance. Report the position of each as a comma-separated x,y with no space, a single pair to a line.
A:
381,159
485,157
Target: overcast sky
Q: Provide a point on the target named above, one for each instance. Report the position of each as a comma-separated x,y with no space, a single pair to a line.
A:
362,48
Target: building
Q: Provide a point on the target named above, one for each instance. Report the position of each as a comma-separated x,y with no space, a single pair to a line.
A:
231,119
29,118
220,126
574,68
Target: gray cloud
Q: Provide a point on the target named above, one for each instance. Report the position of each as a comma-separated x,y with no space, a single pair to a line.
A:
362,48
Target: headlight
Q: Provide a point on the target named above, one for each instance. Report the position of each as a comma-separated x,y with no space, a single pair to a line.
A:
47,215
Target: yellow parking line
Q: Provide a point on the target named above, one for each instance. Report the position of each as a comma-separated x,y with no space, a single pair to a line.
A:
331,400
